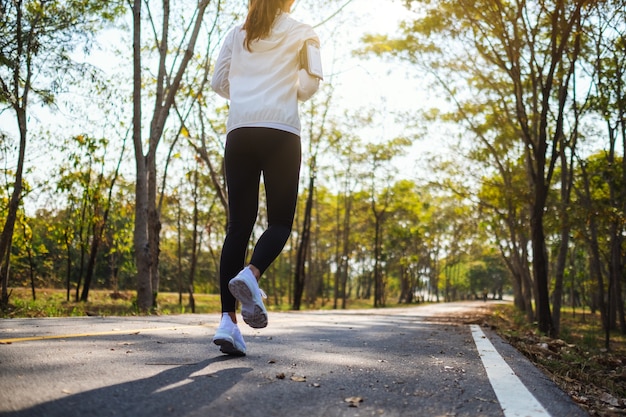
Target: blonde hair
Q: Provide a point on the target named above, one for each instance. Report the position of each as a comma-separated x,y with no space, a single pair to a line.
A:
261,15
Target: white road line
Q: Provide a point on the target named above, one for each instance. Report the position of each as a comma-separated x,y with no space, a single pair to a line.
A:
514,397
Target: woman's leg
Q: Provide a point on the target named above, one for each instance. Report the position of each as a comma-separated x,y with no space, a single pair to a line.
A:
250,151
243,172
281,174
279,153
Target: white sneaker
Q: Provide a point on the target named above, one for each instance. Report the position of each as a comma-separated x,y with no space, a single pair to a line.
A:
246,289
229,339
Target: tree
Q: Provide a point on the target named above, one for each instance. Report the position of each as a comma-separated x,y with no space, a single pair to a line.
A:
343,146
379,157
520,55
316,129
147,219
594,211
608,100
37,38
408,218
505,216
101,213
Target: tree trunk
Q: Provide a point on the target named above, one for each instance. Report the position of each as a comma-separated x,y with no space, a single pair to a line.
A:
338,255
345,255
179,251
6,237
68,272
5,267
82,245
142,250
527,282
434,274
615,238
513,265
566,187
616,271
194,243
617,191
164,97
378,284
622,191
91,262
154,228
300,274
540,264
31,267
595,265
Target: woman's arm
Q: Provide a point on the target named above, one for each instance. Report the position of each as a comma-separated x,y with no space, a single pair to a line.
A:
219,82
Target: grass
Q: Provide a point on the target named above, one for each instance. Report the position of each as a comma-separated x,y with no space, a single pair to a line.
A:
53,303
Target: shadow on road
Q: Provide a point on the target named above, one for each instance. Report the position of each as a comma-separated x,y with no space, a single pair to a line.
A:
176,391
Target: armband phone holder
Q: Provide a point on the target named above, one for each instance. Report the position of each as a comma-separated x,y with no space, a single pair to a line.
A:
311,59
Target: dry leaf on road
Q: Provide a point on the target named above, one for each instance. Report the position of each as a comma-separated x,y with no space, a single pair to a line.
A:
353,401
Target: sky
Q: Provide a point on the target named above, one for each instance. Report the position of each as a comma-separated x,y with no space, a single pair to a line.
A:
376,83
374,80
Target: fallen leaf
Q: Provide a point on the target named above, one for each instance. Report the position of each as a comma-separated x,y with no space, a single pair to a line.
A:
298,378
280,375
609,399
353,401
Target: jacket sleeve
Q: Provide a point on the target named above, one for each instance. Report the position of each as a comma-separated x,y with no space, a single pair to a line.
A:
219,82
307,85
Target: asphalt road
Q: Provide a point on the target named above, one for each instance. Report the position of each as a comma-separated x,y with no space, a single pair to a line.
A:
391,362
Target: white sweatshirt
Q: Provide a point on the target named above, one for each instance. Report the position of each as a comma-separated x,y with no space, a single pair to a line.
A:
265,84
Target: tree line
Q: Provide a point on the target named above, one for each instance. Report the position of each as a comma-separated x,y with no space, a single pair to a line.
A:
531,198
538,87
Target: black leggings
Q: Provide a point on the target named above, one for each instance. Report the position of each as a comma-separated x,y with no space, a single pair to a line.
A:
249,152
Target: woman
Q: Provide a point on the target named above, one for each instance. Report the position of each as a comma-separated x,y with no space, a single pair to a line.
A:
258,70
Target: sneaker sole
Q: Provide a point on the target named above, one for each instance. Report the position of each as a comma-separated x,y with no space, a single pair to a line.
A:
227,347
257,318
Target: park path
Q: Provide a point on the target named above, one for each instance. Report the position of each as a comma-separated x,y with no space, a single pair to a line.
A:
415,361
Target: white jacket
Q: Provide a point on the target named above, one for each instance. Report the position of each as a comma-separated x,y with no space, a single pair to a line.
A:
265,84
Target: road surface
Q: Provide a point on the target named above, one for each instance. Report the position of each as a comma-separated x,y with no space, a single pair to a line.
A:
384,362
